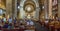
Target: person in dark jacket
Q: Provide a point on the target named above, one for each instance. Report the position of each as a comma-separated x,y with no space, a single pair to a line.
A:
5,25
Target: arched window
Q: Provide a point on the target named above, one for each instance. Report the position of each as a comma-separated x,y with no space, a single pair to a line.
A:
2,11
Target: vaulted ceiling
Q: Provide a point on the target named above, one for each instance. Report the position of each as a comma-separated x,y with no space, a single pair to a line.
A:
18,2
4,1
40,1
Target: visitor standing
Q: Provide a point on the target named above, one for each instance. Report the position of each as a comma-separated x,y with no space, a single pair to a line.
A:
10,20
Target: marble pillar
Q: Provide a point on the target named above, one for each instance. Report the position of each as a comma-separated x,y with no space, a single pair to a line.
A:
14,8
46,9
50,9
9,7
59,8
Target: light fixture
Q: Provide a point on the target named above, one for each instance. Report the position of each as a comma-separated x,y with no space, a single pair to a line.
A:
29,8
43,7
18,7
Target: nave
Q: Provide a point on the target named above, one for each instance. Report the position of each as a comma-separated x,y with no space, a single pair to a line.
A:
29,15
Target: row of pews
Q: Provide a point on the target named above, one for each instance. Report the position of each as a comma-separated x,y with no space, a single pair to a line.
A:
4,29
21,29
51,25
28,28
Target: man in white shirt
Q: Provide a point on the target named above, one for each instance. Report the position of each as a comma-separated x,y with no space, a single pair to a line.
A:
10,20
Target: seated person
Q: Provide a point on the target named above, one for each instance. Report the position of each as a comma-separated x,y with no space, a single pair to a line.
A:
10,26
30,22
16,26
1,25
5,25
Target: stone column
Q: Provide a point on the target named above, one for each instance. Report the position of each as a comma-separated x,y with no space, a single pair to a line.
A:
14,7
46,9
50,9
59,8
9,7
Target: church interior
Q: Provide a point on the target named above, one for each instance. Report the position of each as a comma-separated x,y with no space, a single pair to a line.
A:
29,15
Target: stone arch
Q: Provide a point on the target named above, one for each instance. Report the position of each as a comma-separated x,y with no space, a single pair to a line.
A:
22,5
